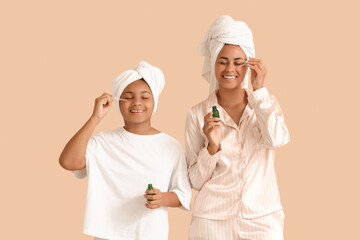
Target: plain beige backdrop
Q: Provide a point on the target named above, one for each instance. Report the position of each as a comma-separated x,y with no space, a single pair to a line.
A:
56,57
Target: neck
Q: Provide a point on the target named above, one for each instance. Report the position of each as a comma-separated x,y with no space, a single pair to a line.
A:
231,97
139,128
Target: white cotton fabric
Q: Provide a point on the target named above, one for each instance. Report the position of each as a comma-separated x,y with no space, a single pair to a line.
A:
224,30
119,166
153,76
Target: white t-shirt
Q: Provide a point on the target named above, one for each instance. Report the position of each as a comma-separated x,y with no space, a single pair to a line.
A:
119,166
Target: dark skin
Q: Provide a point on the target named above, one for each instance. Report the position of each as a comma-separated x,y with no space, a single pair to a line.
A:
230,71
139,98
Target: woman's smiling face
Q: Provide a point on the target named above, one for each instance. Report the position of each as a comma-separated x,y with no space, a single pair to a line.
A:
230,69
139,104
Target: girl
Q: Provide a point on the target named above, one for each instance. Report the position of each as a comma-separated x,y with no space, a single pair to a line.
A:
121,163
231,158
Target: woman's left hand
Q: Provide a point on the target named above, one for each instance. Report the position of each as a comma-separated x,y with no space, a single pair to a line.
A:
154,198
258,72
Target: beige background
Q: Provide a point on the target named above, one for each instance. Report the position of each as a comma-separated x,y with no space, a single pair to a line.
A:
58,56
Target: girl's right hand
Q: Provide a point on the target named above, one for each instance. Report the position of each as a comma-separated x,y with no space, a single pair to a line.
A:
212,130
102,105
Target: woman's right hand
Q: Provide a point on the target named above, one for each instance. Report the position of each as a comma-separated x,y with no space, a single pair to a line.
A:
212,130
102,105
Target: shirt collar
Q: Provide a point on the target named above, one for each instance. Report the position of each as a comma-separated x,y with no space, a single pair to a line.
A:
224,116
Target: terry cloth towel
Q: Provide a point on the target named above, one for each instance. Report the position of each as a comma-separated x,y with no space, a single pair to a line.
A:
224,30
153,76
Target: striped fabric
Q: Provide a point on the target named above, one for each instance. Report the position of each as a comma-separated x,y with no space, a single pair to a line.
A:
238,228
240,179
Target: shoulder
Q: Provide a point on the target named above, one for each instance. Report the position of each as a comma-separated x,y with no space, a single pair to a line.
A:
170,140
172,149
199,108
106,135
197,112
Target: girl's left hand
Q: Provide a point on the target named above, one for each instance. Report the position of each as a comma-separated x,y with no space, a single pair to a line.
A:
258,72
154,198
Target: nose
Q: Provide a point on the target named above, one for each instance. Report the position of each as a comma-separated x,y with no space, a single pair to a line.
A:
136,102
230,67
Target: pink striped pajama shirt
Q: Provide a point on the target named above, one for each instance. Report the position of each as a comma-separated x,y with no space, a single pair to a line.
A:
238,195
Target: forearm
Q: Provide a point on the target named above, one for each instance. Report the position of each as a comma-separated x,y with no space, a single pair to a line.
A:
202,170
73,155
170,199
270,118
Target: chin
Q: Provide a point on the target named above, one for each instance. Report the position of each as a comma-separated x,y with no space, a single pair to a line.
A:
138,120
230,86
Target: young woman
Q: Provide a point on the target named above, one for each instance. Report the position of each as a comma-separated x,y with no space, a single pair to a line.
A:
231,158
121,163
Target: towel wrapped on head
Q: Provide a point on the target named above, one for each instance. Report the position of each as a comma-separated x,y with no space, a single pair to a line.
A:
224,30
153,76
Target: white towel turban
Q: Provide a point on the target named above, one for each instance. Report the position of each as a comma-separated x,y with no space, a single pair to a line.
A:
153,76
224,30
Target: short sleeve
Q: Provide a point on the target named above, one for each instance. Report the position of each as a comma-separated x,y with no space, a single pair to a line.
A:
179,181
82,173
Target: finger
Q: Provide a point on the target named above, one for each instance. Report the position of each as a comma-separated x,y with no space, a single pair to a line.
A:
152,197
152,206
215,119
254,67
109,100
259,64
212,119
149,206
255,60
105,101
150,192
215,126
148,197
155,202
212,124
207,116
207,127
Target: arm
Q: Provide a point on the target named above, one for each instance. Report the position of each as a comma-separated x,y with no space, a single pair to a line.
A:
73,155
201,159
179,191
270,118
268,112
156,198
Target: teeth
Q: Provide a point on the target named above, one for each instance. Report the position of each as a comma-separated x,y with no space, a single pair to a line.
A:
136,111
229,77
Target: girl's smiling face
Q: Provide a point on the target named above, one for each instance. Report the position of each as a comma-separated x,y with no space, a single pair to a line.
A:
229,66
139,104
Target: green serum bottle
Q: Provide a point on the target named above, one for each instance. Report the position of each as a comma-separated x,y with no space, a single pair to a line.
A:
215,112
150,187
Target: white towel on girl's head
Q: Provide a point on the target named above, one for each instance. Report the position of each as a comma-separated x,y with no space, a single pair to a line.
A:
224,30
153,76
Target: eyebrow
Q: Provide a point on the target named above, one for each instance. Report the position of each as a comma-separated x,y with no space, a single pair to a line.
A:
133,92
238,58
